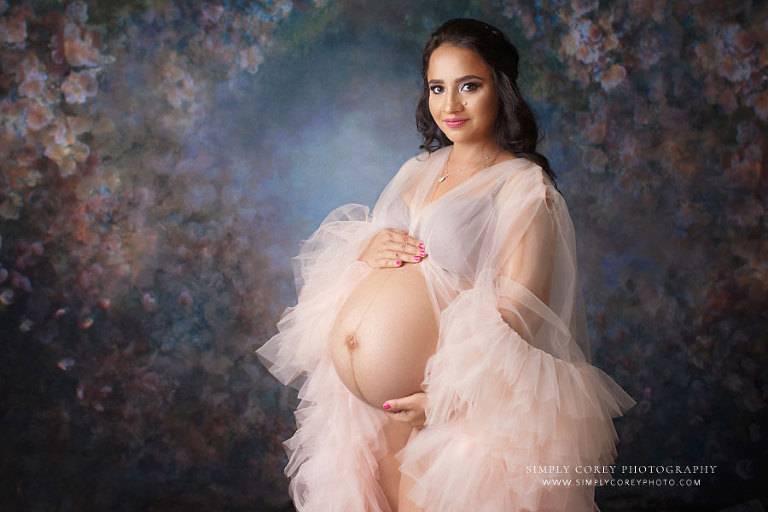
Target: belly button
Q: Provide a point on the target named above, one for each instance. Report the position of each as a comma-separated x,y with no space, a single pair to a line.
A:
351,341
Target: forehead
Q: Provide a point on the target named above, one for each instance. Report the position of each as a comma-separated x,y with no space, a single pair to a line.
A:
448,62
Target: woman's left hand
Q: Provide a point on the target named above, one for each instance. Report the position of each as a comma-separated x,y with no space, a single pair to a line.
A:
410,409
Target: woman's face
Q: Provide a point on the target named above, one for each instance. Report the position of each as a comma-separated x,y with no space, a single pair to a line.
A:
462,97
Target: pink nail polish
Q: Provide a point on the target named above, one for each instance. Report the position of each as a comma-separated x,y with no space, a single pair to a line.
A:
422,253
398,262
416,258
386,405
421,245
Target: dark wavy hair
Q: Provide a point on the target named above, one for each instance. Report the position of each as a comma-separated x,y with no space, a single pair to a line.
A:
516,128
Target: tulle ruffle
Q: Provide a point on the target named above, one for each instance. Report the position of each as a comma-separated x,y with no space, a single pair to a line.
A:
334,452
326,270
500,409
332,456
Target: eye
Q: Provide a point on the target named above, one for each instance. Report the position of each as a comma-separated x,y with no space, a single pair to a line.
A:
469,87
436,89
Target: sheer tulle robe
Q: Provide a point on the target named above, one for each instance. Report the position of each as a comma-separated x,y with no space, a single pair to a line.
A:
510,386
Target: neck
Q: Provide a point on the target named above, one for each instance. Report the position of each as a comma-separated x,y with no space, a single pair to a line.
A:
468,152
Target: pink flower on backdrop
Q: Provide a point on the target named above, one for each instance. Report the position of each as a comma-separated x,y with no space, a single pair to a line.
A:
595,159
148,303
748,213
85,322
520,11
250,59
578,74
66,363
582,7
706,55
185,299
178,84
78,87
759,102
576,42
740,41
734,69
210,13
20,176
653,9
62,146
78,11
82,46
20,281
649,50
67,156
628,154
90,276
612,77
762,59
745,171
24,115
31,74
13,29
57,49
592,127
38,115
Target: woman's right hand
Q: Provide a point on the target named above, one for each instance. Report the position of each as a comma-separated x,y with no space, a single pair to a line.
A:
392,247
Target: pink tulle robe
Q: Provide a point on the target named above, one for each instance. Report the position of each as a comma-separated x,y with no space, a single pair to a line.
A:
510,388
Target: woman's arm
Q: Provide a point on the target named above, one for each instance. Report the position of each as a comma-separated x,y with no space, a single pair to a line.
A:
529,263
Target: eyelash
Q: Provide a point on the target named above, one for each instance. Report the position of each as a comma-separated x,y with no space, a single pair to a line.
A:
473,86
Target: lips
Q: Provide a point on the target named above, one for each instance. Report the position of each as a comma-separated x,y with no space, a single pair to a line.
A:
454,122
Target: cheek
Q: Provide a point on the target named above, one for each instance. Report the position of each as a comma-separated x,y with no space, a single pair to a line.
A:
490,108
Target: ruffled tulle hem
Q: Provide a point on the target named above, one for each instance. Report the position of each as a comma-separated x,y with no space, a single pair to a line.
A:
456,470
333,454
503,414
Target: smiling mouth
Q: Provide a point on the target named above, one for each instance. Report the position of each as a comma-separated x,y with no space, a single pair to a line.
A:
454,123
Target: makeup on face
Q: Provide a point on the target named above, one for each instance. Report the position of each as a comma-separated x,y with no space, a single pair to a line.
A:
462,98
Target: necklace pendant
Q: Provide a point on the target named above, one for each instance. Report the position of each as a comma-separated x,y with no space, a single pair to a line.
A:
442,178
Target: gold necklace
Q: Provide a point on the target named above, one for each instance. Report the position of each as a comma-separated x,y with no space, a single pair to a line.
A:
467,167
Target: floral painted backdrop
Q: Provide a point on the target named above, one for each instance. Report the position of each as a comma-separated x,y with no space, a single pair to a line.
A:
160,162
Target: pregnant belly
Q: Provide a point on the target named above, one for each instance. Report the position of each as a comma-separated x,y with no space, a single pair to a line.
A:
384,334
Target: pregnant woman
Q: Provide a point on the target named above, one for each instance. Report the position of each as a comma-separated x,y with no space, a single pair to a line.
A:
439,344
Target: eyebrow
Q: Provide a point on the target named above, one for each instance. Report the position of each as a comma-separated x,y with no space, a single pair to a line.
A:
458,80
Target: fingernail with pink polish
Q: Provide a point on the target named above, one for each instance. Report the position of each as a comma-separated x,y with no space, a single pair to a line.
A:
386,405
398,262
416,258
421,245
422,253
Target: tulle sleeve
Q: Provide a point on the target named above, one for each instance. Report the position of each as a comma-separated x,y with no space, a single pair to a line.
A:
513,398
326,265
